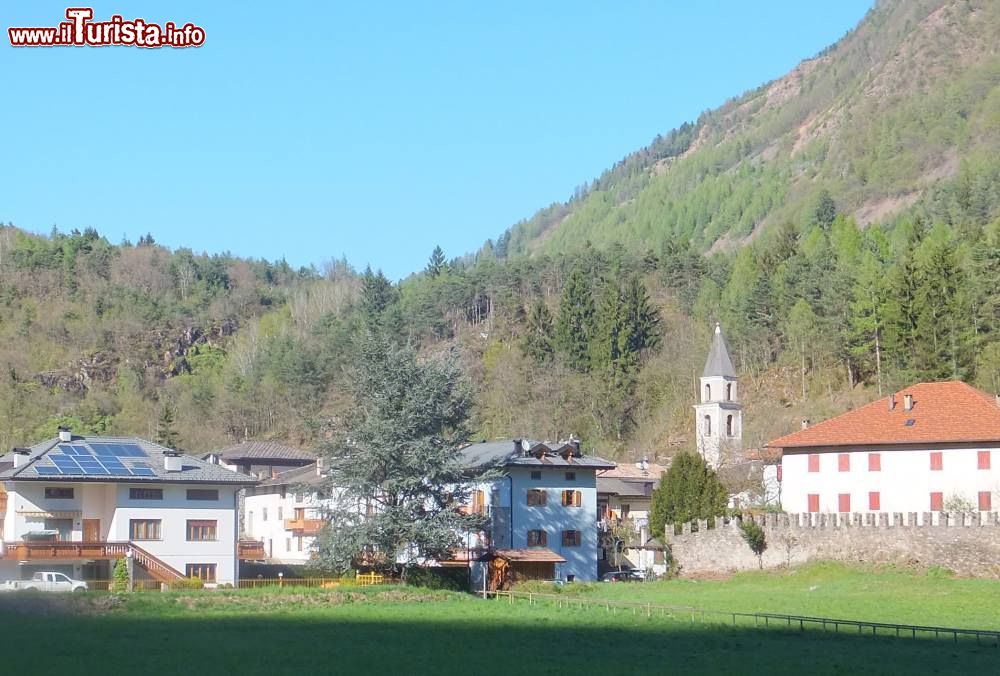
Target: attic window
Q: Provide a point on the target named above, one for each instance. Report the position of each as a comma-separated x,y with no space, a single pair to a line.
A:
536,475
910,422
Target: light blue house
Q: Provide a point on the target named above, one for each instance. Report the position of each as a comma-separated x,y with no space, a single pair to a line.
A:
543,512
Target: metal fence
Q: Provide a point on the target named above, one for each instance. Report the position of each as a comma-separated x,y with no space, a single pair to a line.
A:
760,620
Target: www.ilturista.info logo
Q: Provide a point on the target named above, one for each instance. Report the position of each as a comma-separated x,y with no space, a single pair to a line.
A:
81,31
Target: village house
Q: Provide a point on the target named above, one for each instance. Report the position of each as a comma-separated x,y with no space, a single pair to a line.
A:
542,512
624,496
75,504
285,513
260,459
928,448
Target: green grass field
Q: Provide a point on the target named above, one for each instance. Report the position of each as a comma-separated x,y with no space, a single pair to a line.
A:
411,631
827,590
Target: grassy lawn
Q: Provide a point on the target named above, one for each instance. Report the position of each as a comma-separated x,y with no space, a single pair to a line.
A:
827,590
417,632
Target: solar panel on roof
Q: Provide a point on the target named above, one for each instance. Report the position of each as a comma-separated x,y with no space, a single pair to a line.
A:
133,451
65,463
102,450
47,470
81,450
120,470
143,471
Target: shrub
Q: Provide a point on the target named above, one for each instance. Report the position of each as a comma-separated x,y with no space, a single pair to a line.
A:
119,579
451,579
753,534
187,583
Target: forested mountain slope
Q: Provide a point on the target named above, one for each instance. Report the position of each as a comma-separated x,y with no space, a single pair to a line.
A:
904,102
843,223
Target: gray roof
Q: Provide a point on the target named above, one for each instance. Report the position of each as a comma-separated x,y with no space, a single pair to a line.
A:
263,450
300,475
718,362
193,470
621,487
504,453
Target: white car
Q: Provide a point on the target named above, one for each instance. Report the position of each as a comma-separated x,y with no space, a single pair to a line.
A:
46,582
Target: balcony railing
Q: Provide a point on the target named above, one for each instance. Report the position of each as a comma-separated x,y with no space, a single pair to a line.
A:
250,550
28,551
304,526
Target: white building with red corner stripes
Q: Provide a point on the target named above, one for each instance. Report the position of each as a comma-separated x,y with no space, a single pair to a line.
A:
930,447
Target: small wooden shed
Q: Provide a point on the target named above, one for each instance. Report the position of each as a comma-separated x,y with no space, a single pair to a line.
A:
507,566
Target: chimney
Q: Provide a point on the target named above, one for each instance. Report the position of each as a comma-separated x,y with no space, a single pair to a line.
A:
319,466
805,423
517,446
907,402
892,401
576,445
21,457
65,434
172,461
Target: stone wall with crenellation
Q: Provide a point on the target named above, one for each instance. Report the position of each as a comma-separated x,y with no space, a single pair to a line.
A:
966,542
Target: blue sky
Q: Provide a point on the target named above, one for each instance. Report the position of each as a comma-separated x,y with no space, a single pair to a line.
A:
372,130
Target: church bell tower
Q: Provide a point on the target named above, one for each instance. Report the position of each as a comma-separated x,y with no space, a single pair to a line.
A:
719,414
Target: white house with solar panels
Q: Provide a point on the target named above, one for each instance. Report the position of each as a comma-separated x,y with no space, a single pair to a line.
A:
76,504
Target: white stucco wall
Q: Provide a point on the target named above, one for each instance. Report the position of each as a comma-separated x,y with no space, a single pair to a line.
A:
281,545
904,483
111,504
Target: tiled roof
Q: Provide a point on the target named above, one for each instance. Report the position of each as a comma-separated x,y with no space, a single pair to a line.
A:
193,470
503,453
263,450
535,555
300,475
631,471
623,488
944,412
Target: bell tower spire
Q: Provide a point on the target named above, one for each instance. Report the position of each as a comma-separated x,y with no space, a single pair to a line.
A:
719,414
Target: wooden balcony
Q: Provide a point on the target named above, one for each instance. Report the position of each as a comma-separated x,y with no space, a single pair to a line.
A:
250,550
34,551
304,526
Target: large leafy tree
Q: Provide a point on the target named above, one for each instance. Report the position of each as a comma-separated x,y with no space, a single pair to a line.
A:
394,472
689,490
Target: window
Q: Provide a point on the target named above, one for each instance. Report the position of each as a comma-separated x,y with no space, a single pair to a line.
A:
844,502
58,493
144,529
985,501
814,502
204,494
281,512
571,538
983,458
729,391
937,502
203,571
263,514
874,462
536,498
937,462
729,426
843,462
572,498
145,494
813,463
202,531
478,503
299,538
537,538
288,544
874,501
708,392
708,425
536,475
570,476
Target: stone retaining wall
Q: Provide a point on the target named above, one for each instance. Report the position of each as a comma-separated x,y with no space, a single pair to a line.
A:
967,543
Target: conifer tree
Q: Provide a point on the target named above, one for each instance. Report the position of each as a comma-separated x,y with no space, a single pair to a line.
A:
435,265
166,435
537,341
575,324
688,491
